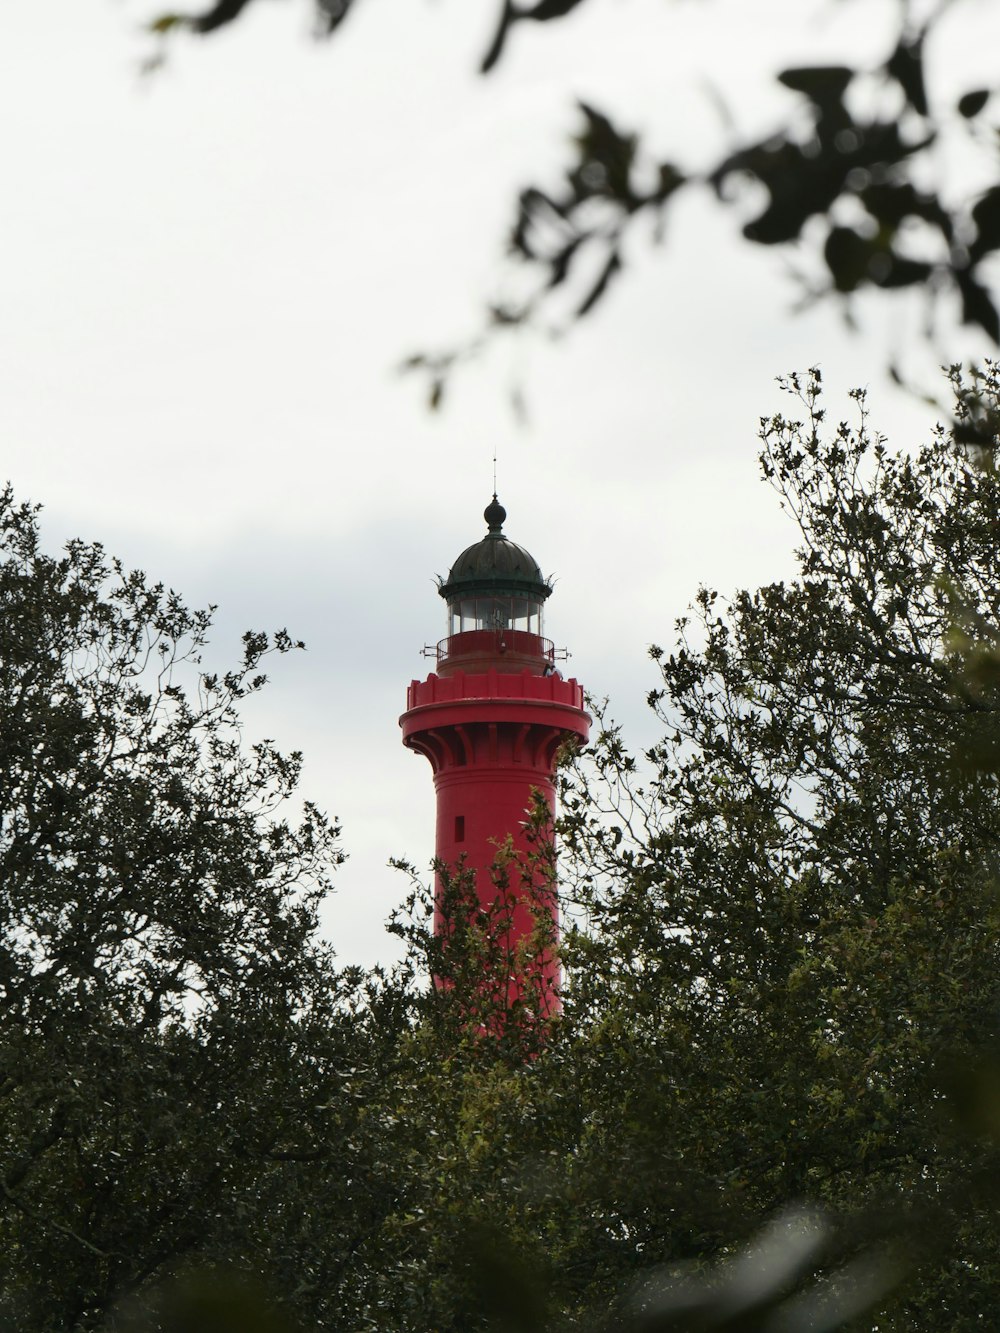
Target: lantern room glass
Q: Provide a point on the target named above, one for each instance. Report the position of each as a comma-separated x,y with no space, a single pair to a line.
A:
495,613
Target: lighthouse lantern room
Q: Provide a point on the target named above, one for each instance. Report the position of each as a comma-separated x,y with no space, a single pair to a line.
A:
495,594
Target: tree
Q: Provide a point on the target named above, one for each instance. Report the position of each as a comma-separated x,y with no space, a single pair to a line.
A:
166,1014
795,914
854,179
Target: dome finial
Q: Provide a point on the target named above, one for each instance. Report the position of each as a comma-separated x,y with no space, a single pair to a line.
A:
494,513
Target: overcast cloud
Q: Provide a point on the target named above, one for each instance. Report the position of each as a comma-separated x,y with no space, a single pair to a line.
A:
208,278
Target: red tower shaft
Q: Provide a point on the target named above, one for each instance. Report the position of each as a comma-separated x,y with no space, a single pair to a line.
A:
491,721
492,740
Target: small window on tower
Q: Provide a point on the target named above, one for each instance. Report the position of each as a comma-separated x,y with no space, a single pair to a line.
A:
460,828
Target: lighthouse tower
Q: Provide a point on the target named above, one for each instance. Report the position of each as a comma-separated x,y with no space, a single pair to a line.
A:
491,720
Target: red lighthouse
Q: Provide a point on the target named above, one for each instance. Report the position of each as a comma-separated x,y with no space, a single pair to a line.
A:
491,720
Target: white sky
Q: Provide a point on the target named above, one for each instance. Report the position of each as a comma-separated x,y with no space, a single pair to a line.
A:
208,278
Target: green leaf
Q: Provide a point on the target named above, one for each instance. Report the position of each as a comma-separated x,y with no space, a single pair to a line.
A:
970,104
906,66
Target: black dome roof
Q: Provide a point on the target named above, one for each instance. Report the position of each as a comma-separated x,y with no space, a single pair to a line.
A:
495,564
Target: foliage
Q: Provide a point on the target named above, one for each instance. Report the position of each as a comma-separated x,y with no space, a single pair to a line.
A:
854,177
487,976
794,906
161,996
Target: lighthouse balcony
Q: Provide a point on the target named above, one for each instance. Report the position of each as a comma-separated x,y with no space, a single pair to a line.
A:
460,698
513,650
